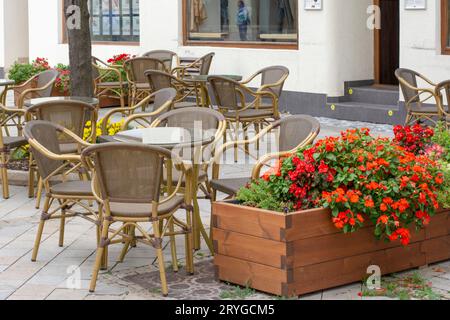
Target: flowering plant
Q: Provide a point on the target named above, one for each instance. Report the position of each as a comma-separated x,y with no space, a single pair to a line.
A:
359,178
118,62
63,81
413,138
112,129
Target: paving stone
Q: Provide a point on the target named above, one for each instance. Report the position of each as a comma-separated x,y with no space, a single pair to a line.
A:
68,294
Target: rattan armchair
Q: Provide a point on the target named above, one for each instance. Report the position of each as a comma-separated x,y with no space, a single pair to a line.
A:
127,184
294,133
272,80
230,97
72,115
102,72
166,56
13,116
160,101
161,80
135,68
415,97
443,92
63,198
200,66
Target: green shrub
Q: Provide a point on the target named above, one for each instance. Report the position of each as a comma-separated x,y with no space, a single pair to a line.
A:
21,72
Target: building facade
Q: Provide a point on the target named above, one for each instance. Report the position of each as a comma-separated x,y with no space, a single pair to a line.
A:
330,46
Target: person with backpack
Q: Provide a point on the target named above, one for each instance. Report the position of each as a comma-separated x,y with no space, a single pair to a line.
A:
243,20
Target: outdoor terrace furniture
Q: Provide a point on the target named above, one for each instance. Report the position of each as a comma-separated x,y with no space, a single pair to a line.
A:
161,80
443,92
135,68
230,97
127,185
70,114
200,66
39,86
161,101
272,79
7,144
415,97
168,57
295,132
108,81
63,198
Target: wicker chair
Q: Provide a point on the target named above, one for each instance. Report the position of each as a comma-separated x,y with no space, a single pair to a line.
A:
43,137
161,80
160,101
168,57
135,68
200,66
414,102
295,132
230,97
212,122
72,115
127,185
443,90
8,143
13,116
272,79
107,89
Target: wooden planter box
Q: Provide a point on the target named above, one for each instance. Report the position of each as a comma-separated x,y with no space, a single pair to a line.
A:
111,102
302,252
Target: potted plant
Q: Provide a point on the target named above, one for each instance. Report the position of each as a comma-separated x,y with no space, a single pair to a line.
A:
62,84
327,213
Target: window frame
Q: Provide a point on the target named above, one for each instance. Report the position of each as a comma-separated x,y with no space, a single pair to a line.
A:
445,23
230,44
95,42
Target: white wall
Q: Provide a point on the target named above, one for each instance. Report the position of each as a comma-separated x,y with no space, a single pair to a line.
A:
420,44
335,45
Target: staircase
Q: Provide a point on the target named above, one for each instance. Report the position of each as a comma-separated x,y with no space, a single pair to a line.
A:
371,103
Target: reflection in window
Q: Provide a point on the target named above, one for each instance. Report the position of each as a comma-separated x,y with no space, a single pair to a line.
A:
115,20
242,20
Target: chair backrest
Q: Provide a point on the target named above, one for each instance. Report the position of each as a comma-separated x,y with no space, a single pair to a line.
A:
296,130
159,80
407,76
205,63
127,173
72,115
46,134
46,79
273,75
191,118
165,56
443,90
227,93
136,68
162,96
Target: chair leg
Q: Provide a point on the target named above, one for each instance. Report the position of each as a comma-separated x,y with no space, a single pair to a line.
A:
31,175
3,167
37,242
62,227
188,244
236,139
39,193
173,246
160,255
100,254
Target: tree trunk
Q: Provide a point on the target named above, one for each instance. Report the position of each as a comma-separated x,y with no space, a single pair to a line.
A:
80,48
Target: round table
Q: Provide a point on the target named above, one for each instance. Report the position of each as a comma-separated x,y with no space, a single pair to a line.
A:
201,81
5,83
88,100
177,139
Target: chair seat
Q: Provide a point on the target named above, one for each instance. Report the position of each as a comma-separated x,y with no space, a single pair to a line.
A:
202,177
111,84
67,148
72,188
424,109
14,142
249,113
144,210
229,186
143,86
184,104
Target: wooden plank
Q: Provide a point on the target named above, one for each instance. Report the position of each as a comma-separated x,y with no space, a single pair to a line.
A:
439,225
310,223
256,276
437,249
250,248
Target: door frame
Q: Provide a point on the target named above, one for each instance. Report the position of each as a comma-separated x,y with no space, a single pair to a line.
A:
377,49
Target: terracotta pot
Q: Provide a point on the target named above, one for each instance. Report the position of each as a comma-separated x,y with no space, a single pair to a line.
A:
57,93
302,252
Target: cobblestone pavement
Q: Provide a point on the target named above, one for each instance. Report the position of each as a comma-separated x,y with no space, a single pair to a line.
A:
64,273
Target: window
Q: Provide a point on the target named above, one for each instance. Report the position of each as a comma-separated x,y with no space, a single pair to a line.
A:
115,20
445,26
246,23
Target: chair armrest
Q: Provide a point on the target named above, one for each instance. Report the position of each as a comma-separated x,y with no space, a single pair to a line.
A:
134,117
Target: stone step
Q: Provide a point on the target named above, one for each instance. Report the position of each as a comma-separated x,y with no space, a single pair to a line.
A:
367,112
381,95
